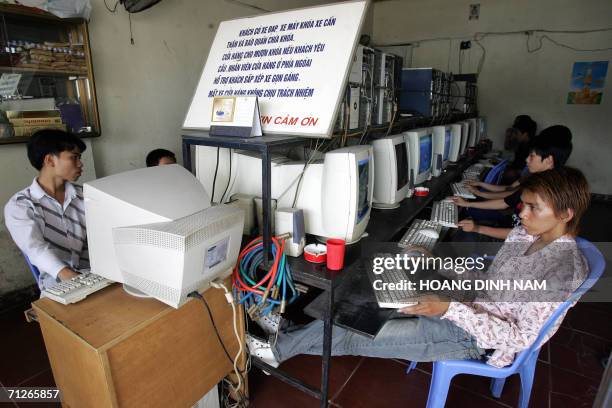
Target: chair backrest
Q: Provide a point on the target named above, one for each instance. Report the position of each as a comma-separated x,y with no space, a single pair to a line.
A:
597,265
33,269
494,175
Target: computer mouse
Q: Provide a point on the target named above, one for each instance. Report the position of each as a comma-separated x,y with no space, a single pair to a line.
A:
430,233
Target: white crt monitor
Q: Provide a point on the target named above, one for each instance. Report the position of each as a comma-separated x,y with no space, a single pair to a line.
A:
152,229
442,140
390,171
420,144
474,132
455,144
482,128
465,134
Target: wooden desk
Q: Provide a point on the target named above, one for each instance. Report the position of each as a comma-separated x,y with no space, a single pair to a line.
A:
113,349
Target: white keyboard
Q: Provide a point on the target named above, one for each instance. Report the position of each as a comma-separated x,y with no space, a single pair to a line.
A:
445,213
414,237
396,298
76,289
460,189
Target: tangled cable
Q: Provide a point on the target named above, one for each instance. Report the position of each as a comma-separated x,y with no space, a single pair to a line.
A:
261,297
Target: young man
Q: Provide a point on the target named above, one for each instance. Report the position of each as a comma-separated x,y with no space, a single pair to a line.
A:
160,157
549,150
496,323
518,138
47,219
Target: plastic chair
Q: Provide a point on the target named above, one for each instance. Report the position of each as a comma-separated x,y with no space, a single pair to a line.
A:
525,362
495,174
33,269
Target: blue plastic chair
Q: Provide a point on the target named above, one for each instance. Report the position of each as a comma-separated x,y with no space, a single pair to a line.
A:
33,269
495,174
525,362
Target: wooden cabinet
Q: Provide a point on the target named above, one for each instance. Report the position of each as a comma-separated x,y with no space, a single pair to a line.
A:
46,76
113,349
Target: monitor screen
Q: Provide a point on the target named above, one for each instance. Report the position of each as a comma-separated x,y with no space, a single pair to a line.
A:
425,153
447,142
401,162
364,179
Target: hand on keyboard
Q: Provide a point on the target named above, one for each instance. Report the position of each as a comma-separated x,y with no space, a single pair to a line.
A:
66,274
461,202
468,225
429,305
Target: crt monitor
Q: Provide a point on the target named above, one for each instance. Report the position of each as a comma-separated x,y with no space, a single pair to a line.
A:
153,229
390,171
420,143
455,142
482,128
465,134
442,140
335,192
473,134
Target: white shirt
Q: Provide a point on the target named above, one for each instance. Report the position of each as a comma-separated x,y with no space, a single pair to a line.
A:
51,235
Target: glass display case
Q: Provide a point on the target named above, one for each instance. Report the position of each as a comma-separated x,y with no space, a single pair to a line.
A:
46,78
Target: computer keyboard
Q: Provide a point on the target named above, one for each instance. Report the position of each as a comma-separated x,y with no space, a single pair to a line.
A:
414,237
473,172
396,298
76,289
460,189
445,213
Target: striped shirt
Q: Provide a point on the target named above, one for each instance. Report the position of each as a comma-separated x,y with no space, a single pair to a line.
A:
52,235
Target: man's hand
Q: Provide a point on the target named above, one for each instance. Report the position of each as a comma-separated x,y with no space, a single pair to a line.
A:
460,201
429,305
474,183
473,189
66,274
468,225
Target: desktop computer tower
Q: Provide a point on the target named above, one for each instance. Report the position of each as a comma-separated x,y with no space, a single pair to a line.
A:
385,87
425,91
465,93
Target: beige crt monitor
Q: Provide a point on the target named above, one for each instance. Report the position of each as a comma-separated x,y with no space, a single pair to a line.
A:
153,230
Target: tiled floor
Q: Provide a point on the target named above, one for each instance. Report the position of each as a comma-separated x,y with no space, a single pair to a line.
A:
568,375
568,372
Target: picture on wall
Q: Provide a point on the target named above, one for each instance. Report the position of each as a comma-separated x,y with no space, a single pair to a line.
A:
587,83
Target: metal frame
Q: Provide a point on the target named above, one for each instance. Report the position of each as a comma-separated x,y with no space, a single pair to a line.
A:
320,278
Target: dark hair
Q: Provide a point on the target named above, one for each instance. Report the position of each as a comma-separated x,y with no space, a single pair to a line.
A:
51,141
156,155
562,188
525,124
555,141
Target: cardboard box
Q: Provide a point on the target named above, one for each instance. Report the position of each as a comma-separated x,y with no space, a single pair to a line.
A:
35,121
21,131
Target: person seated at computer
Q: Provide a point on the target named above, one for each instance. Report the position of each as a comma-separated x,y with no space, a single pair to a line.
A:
518,138
542,248
549,150
160,157
47,219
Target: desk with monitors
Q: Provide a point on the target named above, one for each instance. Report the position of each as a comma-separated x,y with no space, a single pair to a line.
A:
384,225
354,303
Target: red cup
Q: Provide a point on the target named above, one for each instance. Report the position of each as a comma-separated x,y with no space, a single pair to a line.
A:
335,254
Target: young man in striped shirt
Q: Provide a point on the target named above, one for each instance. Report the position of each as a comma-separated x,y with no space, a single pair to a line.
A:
47,219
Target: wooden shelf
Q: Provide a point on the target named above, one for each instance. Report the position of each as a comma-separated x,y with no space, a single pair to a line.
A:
24,139
5,68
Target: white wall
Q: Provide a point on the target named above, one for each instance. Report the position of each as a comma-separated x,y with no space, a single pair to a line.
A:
143,92
512,80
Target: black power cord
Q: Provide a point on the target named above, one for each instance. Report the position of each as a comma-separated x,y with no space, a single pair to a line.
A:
196,295
212,196
229,178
